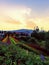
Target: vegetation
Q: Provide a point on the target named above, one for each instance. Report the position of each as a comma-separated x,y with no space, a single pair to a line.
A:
42,38
24,49
14,55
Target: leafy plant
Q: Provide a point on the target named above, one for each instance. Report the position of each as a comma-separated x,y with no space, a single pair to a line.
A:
15,55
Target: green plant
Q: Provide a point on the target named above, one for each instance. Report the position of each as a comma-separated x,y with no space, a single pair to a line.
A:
15,55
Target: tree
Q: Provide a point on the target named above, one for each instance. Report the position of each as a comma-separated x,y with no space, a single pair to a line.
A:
47,45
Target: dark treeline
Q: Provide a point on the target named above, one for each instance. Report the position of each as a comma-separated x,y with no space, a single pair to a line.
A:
41,36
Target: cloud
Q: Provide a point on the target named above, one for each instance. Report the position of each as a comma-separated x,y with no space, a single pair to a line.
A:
18,17
14,17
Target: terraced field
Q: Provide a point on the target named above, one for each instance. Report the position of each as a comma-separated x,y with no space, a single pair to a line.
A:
19,51
31,47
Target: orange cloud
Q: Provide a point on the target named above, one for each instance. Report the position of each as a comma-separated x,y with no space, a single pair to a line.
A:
12,21
30,24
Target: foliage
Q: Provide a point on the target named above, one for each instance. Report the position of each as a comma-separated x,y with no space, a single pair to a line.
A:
14,55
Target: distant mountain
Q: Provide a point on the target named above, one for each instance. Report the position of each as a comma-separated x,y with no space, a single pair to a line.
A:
23,31
27,31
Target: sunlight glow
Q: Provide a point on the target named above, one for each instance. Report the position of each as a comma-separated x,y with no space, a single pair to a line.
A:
21,18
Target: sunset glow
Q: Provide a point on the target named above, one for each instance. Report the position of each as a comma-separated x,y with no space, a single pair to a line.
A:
13,17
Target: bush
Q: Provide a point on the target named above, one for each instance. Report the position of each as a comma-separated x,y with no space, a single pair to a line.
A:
14,55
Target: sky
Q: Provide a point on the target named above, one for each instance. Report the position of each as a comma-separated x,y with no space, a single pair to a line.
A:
24,14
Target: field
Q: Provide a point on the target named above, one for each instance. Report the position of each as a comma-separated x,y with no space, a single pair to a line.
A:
15,51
